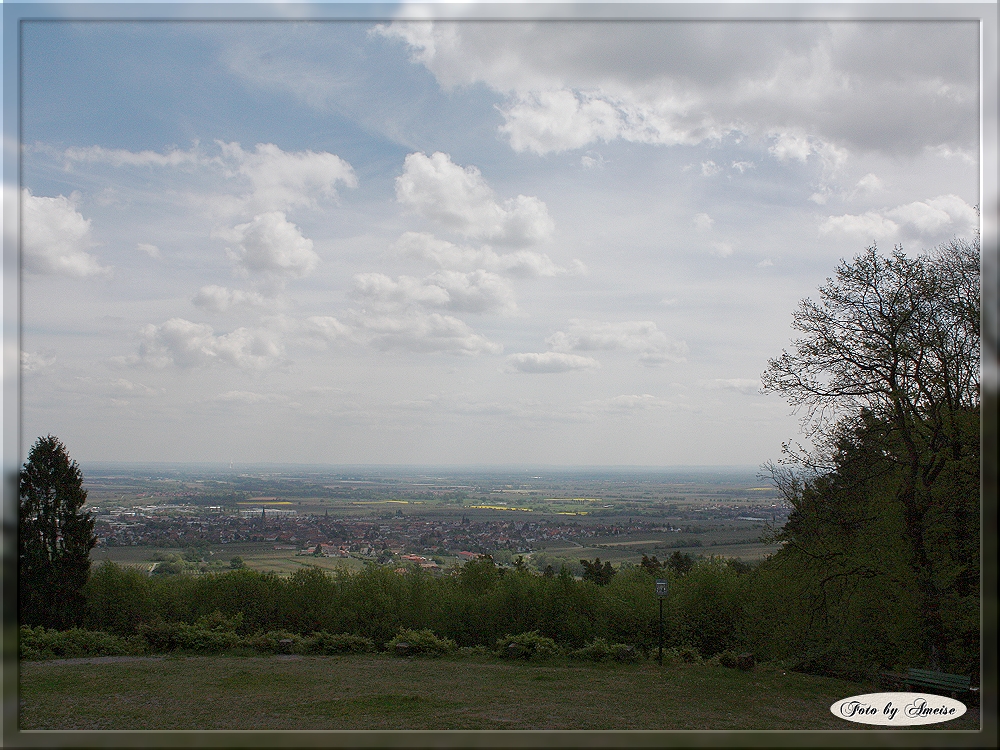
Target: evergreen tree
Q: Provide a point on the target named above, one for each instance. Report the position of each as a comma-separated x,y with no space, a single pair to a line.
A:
54,538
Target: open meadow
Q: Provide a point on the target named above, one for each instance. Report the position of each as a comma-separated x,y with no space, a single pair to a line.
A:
383,692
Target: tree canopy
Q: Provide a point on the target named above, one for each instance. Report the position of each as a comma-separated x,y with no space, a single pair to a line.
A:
54,537
887,370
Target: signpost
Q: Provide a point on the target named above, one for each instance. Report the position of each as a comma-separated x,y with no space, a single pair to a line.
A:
662,587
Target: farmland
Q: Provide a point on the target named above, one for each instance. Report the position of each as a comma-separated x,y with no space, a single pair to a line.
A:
269,518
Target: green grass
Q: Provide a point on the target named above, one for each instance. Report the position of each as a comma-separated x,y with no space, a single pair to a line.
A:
384,692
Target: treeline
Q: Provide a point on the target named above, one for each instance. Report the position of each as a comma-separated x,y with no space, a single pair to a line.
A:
475,607
715,607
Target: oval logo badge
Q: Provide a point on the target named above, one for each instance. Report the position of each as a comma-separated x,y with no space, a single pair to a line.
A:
898,709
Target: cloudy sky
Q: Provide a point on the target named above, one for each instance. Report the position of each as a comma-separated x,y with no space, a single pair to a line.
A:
461,243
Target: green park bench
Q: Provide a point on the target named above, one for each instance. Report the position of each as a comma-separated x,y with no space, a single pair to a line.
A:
952,684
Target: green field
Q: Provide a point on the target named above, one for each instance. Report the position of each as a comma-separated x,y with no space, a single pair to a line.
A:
379,692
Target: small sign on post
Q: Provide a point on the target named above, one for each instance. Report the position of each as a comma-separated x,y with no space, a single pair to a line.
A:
662,586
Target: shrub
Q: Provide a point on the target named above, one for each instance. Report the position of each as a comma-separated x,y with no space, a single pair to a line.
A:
625,653
596,650
727,659
421,642
336,643
40,643
275,642
599,650
210,634
198,638
527,646
689,655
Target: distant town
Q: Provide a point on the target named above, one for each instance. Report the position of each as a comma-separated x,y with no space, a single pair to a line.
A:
434,524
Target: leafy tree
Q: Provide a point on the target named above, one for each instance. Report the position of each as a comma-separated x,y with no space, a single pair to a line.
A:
887,370
680,563
54,538
654,567
599,574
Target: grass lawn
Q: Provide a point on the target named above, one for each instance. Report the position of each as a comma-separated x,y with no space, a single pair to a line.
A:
385,692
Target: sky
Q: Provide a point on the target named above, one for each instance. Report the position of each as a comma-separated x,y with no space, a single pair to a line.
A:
462,243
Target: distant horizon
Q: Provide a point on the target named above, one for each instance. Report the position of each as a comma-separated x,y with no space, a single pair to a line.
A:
508,468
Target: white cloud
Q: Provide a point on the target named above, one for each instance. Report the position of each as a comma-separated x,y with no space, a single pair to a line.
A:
185,344
151,250
123,385
418,331
935,217
520,263
569,84
867,226
703,222
710,168
383,293
740,385
722,249
122,158
55,237
945,212
743,166
548,121
945,151
549,362
219,299
559,120
867,185
273,246
328,328
459,199
798,145
642,336
476,291
36,361
278,180
283,179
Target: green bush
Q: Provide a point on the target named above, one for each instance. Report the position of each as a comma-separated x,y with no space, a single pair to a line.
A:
210,634
530,645
625,653
275,642
40,643
727,659
689,655
421,642
597,650
336,643
684,654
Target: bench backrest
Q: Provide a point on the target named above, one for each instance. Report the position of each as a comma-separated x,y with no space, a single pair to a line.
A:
939,678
